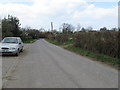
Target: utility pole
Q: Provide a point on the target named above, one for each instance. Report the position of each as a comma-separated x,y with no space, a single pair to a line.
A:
51,26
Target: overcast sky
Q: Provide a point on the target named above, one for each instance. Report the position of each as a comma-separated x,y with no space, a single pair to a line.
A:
39,13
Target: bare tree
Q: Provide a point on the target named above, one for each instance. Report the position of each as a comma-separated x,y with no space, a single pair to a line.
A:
67,28
89,28
78,27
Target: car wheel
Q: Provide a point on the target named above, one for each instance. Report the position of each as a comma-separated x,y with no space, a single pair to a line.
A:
21,50
18,52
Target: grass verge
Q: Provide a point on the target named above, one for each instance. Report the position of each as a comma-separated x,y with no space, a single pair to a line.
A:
30,41
94,56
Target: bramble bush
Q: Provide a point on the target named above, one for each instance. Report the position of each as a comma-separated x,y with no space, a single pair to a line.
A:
105,42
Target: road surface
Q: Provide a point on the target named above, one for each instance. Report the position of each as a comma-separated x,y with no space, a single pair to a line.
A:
44,65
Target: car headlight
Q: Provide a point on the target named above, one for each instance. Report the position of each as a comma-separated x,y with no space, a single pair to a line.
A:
12,48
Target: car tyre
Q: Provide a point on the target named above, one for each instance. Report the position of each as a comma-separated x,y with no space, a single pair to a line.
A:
18,53
21,50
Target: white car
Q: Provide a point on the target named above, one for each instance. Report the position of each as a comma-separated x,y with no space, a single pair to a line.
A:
11,45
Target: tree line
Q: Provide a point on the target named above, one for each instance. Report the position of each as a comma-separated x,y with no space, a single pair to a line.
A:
103,41
11,28
99,41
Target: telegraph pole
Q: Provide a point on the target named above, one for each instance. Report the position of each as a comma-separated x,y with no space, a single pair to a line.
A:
51,26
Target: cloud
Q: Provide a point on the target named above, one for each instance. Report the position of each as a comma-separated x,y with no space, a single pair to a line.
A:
96,13
102,0
41,12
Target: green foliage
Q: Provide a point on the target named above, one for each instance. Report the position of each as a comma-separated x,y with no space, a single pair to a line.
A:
96,56
67,28
29,41
105,42
10,26
35,34
103,29
62,38
99,57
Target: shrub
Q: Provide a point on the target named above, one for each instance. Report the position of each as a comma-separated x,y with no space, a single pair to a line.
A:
105,42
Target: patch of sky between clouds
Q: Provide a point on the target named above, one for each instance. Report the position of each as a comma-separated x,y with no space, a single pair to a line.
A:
102,0
31,1
26,2
98,3
104,4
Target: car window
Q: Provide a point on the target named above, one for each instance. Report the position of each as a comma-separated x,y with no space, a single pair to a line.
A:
20,40
10,40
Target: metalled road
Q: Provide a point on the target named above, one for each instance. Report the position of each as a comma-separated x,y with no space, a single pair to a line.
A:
47,66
